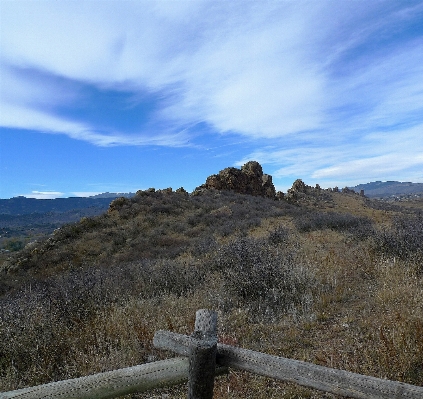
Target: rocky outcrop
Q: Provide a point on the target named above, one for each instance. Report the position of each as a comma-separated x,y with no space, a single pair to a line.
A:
302,194
298,191
250,179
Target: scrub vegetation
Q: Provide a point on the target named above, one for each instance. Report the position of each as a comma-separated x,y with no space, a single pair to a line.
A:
336,282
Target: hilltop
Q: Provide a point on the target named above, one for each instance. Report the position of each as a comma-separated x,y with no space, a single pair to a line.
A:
229,202
325,276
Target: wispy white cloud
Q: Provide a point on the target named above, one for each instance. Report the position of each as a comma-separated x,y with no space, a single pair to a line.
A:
44,194
256,79
26,104
357,169
236,68
85,193
331,90
94,193
28,100
396,156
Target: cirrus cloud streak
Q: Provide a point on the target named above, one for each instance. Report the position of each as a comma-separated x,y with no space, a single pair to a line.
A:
323,90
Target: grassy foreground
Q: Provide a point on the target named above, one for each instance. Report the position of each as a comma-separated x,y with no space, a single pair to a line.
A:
334,279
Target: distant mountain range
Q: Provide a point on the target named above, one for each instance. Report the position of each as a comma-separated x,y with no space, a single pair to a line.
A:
384,189
99,203
26,206
31,218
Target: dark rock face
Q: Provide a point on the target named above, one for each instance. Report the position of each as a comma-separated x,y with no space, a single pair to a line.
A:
250,179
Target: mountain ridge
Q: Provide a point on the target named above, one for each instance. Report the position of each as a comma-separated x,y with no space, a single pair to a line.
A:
24,206
381,189
19,206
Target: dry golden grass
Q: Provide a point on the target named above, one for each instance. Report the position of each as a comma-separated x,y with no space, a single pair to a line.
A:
366,313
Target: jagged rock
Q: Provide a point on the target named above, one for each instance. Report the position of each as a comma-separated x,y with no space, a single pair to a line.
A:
302,194
280,195
298,191
268,187
250,179
347,190
299,186
118,203
181,190
166,191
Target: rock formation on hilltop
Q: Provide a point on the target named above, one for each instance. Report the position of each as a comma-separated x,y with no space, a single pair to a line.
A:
250,179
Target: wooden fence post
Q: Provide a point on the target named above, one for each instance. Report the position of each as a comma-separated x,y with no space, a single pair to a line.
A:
338,382
110,384
202,355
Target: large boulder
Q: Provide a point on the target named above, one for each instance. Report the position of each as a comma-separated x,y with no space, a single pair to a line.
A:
250,179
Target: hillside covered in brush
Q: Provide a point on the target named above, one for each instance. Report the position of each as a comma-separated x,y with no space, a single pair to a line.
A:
324,276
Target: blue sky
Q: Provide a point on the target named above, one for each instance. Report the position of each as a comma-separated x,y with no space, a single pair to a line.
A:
119,96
